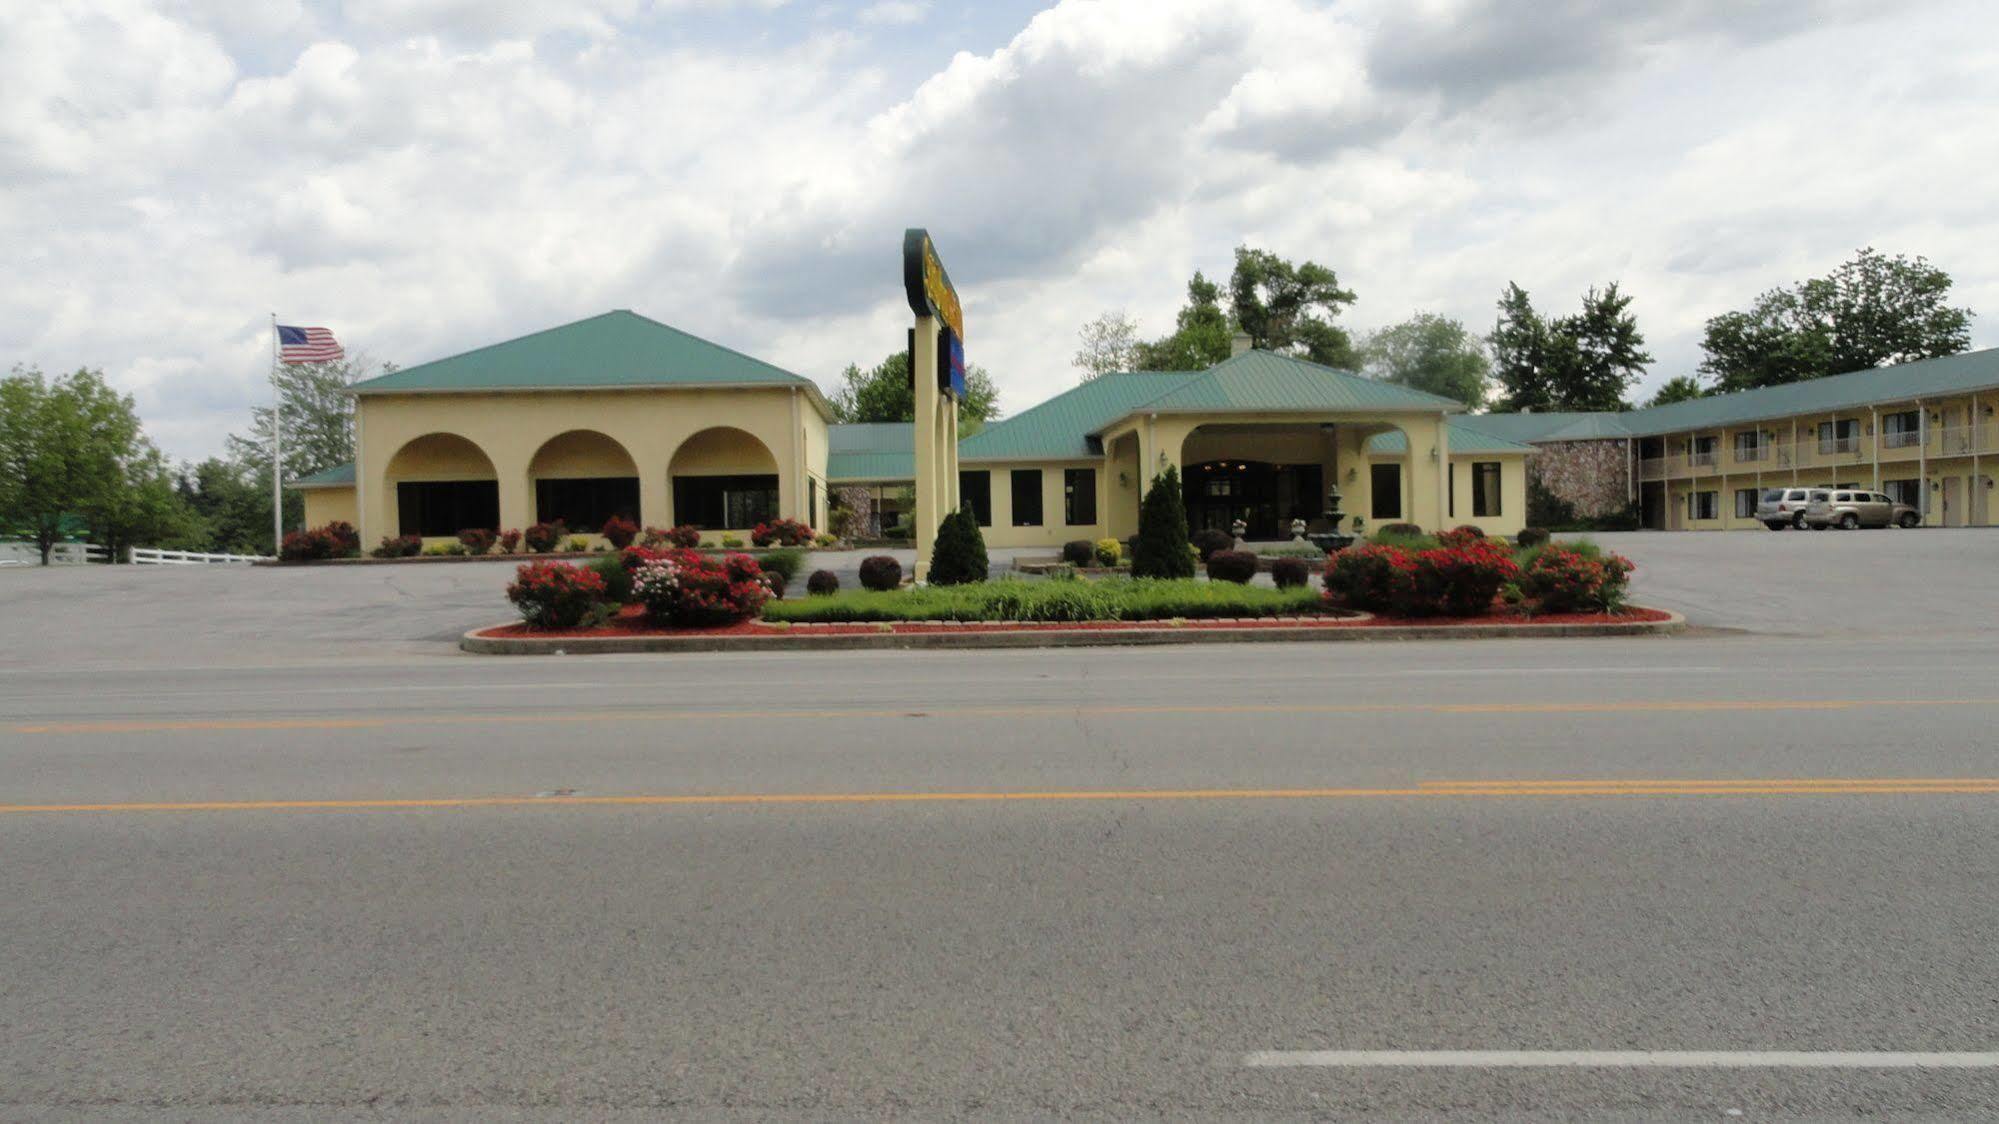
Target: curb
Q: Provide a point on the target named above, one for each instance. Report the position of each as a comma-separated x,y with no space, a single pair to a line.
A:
1046,638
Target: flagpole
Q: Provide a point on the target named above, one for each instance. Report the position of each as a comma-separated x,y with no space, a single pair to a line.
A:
277,447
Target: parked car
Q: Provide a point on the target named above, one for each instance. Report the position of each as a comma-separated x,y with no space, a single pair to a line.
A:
1849,510
1785,507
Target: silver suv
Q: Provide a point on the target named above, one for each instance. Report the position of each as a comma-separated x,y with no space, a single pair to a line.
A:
1849,510
1779,508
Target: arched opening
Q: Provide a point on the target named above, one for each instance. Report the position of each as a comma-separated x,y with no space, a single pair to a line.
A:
443,484
1264,475
583,478
724,478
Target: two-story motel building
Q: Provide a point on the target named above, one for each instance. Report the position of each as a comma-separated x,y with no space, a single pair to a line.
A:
620,414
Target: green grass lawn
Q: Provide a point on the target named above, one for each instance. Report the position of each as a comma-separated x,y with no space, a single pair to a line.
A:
1107,600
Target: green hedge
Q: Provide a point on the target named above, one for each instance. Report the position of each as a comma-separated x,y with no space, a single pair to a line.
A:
1108,600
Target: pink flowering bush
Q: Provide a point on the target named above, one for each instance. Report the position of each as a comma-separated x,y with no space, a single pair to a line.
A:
681,587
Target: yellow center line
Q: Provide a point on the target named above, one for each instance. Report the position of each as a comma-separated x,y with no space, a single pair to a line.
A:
381,721
1431,790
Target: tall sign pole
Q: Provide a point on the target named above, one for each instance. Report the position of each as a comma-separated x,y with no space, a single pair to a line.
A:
277,447
937,370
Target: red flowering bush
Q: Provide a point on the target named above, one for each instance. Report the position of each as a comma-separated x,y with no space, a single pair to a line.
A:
1447,581
619,532
476,540
686,536
1373,577
692,590
1461,581
1566,580
544,537
781,532
1461,536
394,546
309,546
346,536
556,595
510,541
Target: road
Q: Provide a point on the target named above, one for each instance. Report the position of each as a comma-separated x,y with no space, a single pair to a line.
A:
294,879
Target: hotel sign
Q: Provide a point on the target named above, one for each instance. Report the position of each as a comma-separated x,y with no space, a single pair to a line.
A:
931,294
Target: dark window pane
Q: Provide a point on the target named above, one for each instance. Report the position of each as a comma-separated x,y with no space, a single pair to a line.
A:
975,490
718,503
442,508
1387,486
1079,496
1485,489
1027,497
584,504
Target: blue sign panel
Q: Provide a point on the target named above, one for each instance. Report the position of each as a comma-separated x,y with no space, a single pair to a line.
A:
952,356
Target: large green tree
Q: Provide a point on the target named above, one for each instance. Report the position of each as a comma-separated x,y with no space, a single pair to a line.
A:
1679,388
71,447
883,393
1201,333
1431,353
1291,308
1585,361
1109,343
232,514
318,429
1871,311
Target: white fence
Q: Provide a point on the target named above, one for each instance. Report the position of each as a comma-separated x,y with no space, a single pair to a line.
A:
144,557
14,553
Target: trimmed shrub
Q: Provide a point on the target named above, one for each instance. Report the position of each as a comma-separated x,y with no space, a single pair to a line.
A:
477,540
1460,536
785,562
1462,581
777,583
1290,572
556,595
1161,550
348,539
686,536
958,556
314,545
510,541
1399,530
619,532
826,540
544,537
1079,552
1530,537
394,546
881,573
1567,580
1109,552
1003,600
781,532
1208,541
617,579
1236,566
822,583
732,542
578,544
1373,577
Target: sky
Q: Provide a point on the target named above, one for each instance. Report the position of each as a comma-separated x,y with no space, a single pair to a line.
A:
427,176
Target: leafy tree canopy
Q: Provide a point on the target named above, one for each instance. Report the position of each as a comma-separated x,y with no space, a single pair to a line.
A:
1201,333
1585,361
1431,353
1873,310
1109,343
883,393
1291,308
1679,388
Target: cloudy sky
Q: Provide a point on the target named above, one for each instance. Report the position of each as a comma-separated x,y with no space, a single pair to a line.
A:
424,176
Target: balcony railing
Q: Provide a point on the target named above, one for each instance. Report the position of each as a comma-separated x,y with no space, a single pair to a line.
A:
1833,452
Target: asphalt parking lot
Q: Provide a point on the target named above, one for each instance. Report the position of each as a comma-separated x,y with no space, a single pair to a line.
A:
1932,582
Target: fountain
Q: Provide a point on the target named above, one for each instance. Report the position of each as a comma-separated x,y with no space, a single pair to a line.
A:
1330,539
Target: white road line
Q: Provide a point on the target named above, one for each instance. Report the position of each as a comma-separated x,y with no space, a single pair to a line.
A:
1620,1059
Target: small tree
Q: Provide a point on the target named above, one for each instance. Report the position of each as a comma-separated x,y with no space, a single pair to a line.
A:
959,555
1161,550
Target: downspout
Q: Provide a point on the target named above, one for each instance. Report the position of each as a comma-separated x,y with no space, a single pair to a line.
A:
1923,461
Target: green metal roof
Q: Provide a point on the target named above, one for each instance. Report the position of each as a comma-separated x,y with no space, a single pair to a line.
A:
1060,427
1925,378
339,476
615,350
871,451
1265,382
1552,426
1463,439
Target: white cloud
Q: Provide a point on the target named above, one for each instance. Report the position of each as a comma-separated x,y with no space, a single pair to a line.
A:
895,12
426,177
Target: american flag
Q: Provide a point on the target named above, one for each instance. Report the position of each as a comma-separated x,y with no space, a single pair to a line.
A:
307,345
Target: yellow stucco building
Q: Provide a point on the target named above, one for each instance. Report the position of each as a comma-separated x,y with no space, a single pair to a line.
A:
622,415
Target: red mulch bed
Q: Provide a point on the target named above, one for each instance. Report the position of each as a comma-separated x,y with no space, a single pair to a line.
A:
631,621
